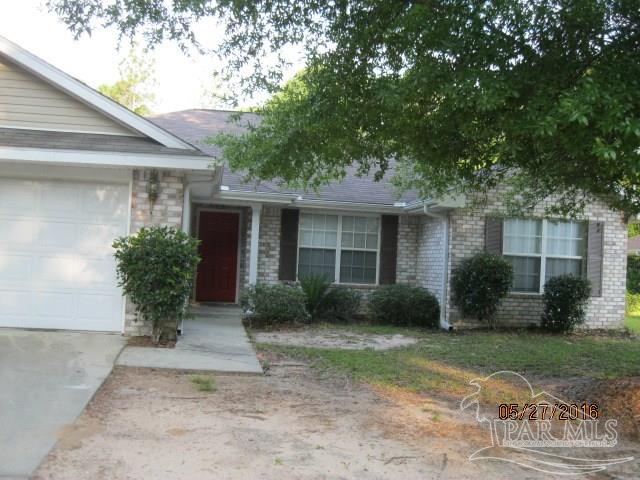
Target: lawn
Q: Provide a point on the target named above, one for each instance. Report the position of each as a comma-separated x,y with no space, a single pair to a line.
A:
632,322
445,362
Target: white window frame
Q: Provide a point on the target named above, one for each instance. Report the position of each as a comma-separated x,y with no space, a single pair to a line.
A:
338,248
543,253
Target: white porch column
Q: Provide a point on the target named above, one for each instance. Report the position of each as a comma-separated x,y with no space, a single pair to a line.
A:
186,209
256,210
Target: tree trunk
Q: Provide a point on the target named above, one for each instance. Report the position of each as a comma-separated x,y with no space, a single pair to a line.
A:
166,331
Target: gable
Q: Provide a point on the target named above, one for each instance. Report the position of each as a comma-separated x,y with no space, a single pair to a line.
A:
28,102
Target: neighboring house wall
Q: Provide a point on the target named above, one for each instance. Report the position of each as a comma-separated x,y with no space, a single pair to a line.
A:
28,102
167,211
467,230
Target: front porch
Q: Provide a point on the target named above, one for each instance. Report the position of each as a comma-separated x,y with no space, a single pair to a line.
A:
240,246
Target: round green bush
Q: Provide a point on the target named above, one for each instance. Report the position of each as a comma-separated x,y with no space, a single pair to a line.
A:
404,305
479,284
565,302
273,304
156,267
342,303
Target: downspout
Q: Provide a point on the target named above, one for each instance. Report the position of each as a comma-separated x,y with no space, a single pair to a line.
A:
444,324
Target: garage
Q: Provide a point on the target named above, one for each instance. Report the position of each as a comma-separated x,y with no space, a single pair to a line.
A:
57,269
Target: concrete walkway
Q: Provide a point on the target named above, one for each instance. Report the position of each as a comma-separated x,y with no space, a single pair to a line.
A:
46,380
215,340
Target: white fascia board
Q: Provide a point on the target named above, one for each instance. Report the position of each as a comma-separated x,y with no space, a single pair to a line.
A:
107,159
88,95
296,200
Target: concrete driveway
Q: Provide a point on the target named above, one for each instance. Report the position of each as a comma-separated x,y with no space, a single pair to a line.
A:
46,380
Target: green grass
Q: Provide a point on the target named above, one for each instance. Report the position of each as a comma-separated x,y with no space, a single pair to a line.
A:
204,383
632,322
445,362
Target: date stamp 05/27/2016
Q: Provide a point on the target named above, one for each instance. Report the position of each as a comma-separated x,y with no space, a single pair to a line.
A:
547,411
540,431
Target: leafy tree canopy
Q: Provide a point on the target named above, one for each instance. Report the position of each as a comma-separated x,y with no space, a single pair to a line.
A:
542,93
133,89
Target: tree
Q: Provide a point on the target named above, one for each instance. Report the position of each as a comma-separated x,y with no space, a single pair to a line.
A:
132,90
543,94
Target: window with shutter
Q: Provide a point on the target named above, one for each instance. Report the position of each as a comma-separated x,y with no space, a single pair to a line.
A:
541,249
343,248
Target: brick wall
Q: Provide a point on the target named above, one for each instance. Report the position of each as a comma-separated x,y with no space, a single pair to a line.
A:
607,311
167,210
430,254
406,271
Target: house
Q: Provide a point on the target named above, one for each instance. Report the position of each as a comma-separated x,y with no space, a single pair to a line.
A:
77,170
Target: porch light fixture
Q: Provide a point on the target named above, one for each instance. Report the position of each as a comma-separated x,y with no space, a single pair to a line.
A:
153,188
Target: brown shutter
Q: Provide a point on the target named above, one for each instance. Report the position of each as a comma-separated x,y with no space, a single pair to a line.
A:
493,235
288,244
595,247
388,249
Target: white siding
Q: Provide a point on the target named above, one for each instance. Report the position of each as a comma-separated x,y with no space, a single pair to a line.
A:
28,102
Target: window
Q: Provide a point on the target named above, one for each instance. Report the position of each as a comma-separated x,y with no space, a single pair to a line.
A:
541,249
340,247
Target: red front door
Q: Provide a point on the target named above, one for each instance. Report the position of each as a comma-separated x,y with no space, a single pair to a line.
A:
217,272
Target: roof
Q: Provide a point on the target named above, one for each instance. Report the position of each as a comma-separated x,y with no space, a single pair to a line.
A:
197,125
89,96
633,245
23,138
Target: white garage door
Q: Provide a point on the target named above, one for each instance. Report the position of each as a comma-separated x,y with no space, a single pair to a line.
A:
56,263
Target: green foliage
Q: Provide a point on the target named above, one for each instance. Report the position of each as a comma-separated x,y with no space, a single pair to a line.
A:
463,93
632,303
343,303
156,268
634,229
479,284
404,305
273,304
565,302
633,273
315,288
132,90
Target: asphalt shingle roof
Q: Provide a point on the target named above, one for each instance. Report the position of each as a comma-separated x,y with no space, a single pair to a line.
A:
15,137
196,126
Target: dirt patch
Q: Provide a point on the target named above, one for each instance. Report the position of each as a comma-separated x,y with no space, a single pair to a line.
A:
325,338
617,399
291,424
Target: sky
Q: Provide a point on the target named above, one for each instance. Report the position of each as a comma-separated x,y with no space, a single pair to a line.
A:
181,80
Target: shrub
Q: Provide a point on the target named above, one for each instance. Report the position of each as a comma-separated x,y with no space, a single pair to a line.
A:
633,303
156,268
315,288
404,305
565,302
342,303
633,273
274,303
479,284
